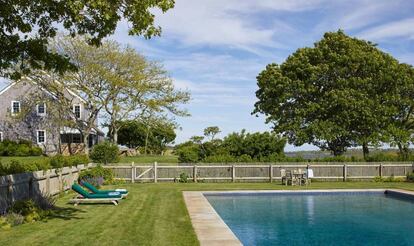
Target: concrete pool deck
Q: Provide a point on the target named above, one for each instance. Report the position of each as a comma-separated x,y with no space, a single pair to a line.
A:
211,229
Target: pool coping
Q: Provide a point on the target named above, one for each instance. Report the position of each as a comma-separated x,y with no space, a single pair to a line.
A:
212,230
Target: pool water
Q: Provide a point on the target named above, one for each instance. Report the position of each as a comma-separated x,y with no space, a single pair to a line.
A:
359,218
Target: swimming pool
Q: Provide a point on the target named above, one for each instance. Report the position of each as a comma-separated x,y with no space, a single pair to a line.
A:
317,218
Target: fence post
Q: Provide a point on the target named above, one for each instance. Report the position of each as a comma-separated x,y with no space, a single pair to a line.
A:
155,172
60,177
345,172
195,174
380,170
30,187
10,190
71,177
132,172
271,173
233,173
48,182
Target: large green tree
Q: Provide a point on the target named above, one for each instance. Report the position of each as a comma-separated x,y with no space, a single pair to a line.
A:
337,94
155,139
211,132
116,84
400,131
26,26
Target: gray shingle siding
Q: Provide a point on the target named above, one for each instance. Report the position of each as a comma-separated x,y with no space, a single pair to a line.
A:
16,128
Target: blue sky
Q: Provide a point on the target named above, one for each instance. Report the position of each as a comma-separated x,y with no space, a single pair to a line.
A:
216,48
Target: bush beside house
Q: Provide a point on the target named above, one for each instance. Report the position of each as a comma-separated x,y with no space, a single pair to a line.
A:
105,153
20,148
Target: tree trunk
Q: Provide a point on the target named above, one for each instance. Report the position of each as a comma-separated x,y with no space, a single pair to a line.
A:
365,150
146,140
86,143
115,136
404,151
337,152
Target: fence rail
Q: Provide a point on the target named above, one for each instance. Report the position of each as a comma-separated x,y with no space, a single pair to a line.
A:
257,172
23,186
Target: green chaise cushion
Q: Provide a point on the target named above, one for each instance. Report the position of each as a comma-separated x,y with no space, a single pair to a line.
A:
85,194
94,190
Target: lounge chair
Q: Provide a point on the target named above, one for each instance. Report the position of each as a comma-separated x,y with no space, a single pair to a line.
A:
95,190
85,197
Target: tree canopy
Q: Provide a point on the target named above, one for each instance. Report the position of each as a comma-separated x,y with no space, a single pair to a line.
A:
235,147
342,92
27,26
155,139
116,84
211,132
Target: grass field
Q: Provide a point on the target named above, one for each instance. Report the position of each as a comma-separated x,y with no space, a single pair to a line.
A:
153,214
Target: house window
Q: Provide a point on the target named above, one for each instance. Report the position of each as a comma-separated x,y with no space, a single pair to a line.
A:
77,111
15,107
1,136
41,109
41,137
70,138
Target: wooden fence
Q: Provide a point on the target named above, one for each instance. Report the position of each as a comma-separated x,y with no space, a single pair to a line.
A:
266,173
41,183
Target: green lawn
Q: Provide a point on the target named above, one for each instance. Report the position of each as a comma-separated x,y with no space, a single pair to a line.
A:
153,214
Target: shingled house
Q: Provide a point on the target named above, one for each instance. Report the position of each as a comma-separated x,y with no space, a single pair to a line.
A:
23,115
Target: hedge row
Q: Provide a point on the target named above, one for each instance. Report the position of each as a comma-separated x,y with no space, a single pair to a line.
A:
19,148
58,161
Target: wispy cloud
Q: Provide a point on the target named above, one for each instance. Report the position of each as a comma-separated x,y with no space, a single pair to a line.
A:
402,28
228,23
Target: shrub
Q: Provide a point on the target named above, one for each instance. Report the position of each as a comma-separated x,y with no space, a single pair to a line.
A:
75,160
188,154
14,219
30,210
183,178
20,148
4,224
410,177
244,158
381,156
97,175
378,179
59,161
43,164
105,152
36,151
16,166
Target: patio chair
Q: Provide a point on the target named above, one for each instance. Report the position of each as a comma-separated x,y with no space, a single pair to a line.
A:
85,197
286,177
95,190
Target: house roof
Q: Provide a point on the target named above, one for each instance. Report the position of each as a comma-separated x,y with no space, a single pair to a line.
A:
31,80
7,87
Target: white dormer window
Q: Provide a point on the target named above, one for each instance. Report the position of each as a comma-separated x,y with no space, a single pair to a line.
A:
41,137
77,111
15,107
41,109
